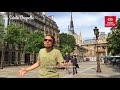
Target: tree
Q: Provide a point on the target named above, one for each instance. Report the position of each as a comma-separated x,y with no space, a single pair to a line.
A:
35,41
65,49
2,33
67,43
34,44
2,36
118,23
113,40
16,35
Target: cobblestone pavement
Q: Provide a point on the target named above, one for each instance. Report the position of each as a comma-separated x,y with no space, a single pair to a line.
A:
86,70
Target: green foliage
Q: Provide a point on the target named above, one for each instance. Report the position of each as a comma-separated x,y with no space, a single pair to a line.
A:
118,23
35,41
2,33
67,43
24,38
65,49
113,40
16,34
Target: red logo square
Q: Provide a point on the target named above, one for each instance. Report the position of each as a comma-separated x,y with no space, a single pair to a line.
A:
110,21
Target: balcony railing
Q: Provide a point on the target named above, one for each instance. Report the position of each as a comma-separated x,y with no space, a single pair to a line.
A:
40,18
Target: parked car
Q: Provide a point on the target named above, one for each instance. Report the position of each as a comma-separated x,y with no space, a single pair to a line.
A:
87,59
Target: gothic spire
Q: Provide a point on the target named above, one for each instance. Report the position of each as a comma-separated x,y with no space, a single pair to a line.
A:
71,24
68,28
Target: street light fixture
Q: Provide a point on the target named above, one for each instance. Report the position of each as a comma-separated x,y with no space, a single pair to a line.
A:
96,33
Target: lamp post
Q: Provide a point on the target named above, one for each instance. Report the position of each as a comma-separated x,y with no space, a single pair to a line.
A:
96,32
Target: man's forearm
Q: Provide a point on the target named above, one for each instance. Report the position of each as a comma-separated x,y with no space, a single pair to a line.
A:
62,64
32,67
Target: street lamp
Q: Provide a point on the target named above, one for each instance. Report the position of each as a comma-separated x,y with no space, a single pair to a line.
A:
96,32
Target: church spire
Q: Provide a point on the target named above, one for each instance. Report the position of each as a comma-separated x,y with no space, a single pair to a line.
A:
80,38
71,24
71,20
68,28
80,32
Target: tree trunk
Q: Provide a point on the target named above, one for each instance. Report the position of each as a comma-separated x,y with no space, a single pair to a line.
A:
31,58
9,56
23,58
19,57
2,57
16,55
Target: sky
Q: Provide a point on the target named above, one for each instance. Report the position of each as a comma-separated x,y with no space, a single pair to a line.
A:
84,22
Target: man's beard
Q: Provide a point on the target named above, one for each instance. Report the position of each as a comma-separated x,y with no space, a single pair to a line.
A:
48,46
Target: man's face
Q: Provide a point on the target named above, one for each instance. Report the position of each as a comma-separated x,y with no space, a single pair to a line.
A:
48,41
66,53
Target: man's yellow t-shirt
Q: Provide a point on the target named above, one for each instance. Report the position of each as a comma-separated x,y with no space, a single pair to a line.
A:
48,61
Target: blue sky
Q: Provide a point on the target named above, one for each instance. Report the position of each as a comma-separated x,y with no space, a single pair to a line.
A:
84,22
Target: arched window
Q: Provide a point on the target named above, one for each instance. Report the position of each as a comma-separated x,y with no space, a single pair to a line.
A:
53,34
46,31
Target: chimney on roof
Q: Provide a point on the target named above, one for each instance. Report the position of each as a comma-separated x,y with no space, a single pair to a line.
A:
51,17
43,13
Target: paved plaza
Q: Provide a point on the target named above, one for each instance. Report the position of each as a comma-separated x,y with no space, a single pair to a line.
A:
86,70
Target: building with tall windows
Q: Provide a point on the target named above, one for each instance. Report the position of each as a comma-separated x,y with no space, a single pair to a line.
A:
33,21
90,46
38,20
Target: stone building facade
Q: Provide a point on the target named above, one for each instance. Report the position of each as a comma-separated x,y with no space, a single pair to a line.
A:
33,21
90,46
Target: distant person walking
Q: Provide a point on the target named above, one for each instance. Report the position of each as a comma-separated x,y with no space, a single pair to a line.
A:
67,61
75,64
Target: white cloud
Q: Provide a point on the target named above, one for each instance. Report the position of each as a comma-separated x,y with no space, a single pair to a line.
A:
84,22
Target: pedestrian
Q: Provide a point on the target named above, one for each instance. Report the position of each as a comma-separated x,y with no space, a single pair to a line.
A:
74,64
47,59
67,61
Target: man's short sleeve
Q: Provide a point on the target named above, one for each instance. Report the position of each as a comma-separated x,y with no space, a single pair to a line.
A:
59,57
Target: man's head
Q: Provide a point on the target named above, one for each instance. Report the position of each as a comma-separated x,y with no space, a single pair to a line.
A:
49,41
66,53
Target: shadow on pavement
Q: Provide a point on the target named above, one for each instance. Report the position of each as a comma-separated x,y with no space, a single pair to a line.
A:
114,68
112,76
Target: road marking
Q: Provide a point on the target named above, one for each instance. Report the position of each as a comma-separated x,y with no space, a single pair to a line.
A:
87,69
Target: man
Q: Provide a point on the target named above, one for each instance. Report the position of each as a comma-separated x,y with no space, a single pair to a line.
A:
67,61
67,57
75,64
47,59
